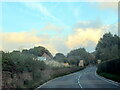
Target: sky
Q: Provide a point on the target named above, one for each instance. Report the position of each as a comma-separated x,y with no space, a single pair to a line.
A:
58,26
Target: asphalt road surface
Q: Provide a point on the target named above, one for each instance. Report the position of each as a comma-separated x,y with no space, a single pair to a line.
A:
86,78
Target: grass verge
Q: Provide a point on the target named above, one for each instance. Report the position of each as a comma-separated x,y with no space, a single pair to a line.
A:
54,74
110,76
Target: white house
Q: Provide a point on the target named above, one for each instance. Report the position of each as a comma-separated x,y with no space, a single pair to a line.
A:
41,58
44,57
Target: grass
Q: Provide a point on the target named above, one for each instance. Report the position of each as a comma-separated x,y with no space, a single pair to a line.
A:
110,69
110,76
57,73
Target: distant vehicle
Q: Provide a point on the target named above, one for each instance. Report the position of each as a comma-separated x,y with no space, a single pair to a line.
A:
98,61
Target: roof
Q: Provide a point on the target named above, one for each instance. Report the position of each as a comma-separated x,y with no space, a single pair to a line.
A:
45,55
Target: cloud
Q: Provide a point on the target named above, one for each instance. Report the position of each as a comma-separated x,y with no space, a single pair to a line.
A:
85,34
108,5
77,12
43,10
48,46
55,44
21,37
82,37
28,39
1,44
20,40
39,7
89,24
52,27
113,28
59,44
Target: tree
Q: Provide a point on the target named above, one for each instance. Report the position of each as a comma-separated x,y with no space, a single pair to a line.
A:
79,54
38,51
18,62
107,47
60,57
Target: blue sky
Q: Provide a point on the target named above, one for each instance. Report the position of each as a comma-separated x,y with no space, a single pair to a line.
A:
58,20
27,17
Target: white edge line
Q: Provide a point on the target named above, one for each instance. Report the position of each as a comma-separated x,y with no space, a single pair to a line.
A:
107,80
79,81
54,79
48,82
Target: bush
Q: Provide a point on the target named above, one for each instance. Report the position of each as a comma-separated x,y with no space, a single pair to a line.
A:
110,69
55,72
40,71
111,66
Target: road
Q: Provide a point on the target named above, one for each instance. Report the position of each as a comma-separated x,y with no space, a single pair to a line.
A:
86,78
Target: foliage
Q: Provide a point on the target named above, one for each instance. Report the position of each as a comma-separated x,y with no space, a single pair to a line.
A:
107,47
17,62
20,62
60,57
37,51
56,72
110,68
79,54
53,63
110,76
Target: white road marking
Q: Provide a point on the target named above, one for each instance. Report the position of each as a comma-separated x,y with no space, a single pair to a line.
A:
85,71
107,80
54,79
79,81
49,81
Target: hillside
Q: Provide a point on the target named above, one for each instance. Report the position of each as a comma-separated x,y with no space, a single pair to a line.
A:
38,51
108,47
76,55
23,70
59,57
